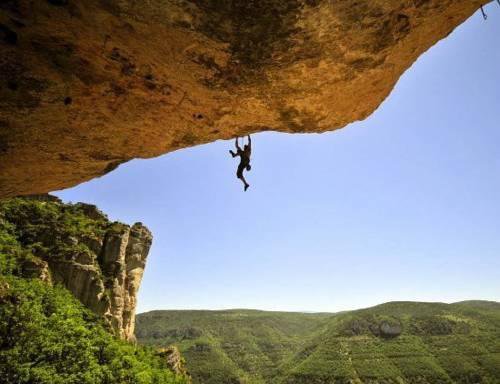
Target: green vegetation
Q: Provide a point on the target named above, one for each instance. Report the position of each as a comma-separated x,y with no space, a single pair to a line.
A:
46,335
229,346
32,230
401,342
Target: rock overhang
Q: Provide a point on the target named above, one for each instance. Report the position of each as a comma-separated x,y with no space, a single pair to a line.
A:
88,85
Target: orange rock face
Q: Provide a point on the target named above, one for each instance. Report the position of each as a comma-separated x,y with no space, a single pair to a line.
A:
86,85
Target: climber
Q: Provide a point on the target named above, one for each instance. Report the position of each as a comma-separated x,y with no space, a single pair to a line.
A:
244,155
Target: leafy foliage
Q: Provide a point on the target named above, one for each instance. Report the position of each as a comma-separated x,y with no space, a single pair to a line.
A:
46,336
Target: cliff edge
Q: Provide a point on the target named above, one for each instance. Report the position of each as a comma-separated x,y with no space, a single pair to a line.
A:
99,261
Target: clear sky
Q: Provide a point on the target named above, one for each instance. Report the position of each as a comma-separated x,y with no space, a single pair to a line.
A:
402,206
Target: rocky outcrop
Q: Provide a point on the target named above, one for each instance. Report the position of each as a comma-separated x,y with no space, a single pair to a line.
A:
174,360
389,330
86,85
36,269
109,286
100,262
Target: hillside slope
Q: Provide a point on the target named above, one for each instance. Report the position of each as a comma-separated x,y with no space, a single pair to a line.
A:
400,342
230,346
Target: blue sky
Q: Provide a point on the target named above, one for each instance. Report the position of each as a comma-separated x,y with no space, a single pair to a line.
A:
402,206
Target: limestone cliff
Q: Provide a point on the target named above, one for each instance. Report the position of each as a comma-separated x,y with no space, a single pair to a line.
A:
86,85
108,287
100,262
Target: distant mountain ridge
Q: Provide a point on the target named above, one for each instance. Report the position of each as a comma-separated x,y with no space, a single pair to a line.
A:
395,342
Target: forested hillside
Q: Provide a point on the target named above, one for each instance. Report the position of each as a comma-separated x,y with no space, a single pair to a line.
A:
399,342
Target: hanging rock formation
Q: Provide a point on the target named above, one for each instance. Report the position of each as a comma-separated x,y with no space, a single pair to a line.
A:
100,262
86,85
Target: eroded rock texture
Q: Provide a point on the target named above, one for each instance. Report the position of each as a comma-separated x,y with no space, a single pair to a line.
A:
100,262
109,284
172,356
88,85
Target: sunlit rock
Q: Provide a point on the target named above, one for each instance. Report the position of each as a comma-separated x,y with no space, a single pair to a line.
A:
88,85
